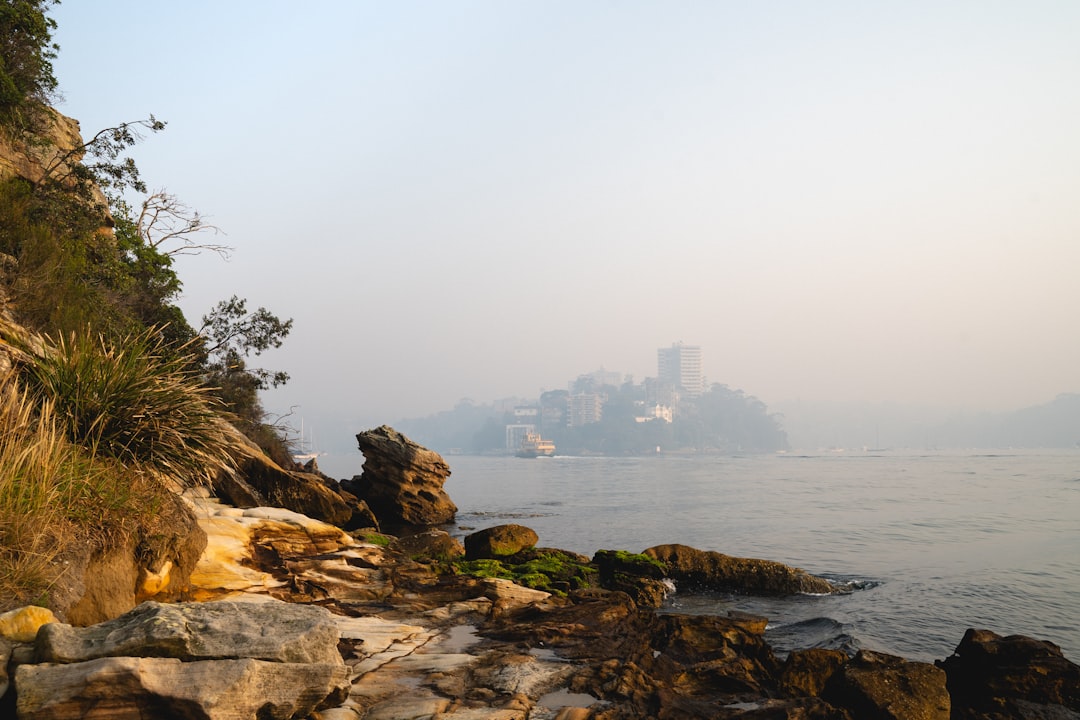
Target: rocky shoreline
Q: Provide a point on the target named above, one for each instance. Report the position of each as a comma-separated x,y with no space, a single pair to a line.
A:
310,613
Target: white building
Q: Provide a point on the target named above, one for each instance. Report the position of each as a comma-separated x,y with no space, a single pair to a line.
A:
680,365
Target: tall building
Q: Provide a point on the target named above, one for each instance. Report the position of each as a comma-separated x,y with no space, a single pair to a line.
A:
680,365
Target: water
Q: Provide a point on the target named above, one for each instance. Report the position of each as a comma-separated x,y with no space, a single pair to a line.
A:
936,542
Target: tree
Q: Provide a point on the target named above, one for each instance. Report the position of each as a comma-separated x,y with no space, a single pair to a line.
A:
230,335
168,226
27,82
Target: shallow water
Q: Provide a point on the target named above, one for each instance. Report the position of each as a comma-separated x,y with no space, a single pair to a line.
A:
937,542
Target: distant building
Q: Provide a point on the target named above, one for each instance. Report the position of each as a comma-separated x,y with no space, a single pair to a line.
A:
680,365
648,413
584,408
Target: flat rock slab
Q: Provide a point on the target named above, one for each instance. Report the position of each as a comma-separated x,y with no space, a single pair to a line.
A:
276,632
130,687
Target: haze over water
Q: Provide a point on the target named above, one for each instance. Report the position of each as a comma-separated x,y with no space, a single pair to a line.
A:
837,201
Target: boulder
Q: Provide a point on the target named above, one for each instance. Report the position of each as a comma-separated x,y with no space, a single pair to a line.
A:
499,542
402,482
200,631
139,687
876,685
429,545
215,660
1014,676
694,569
22,624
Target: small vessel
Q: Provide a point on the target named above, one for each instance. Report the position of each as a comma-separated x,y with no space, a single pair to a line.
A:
532,445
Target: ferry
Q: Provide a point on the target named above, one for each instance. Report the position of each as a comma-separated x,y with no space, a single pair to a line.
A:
535,446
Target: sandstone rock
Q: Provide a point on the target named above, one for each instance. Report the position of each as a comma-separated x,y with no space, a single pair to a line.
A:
5,659
21,624
431,544
137,687
876,685
695,569
990,676
402,482
155,564
200,631
500,541
297,491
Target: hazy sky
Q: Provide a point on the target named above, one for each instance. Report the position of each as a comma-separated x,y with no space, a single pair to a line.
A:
836,200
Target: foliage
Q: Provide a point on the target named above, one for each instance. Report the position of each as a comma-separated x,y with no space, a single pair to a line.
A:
54,494
134,402
230,335
26,55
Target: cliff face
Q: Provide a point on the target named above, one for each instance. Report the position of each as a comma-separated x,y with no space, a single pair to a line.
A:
32,159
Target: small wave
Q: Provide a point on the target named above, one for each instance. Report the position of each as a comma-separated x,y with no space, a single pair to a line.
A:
819,632
847,584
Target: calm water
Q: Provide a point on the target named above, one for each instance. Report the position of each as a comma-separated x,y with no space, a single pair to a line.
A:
937,542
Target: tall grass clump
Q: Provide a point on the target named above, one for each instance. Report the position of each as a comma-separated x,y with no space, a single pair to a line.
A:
136,402
35,460
55,495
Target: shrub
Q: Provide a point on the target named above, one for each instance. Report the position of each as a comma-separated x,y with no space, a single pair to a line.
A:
138,403
53,495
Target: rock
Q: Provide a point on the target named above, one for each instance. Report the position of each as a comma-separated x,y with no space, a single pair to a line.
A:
639,576
990,676
429,545
5,659
806,672
402,482
499,542
695,569
296,491
876,685
137,687
703,655
200,631
21,624
156,563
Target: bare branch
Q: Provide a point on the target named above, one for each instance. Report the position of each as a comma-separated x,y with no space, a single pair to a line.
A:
167,225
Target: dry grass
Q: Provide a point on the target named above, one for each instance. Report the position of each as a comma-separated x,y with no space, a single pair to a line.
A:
91,439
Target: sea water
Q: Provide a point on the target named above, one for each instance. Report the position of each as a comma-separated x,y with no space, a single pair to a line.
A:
930,543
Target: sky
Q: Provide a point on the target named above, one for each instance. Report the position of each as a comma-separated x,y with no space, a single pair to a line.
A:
838,200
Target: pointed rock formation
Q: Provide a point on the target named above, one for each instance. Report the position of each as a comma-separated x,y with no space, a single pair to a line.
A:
402,482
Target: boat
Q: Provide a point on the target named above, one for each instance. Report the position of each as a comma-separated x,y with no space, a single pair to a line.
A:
532,445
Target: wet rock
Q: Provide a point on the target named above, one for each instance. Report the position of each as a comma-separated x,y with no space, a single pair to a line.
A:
876,685
990,676
695,569
402,482
722,658
501,541
805,672
640,576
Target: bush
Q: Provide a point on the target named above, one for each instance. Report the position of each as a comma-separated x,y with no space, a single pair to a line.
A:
53,495
137,403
